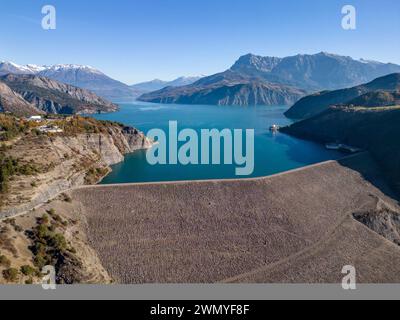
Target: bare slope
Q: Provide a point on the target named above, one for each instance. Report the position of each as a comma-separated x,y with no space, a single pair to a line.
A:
293,227
13,102
52,96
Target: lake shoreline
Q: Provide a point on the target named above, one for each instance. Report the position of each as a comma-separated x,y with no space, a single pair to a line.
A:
274,152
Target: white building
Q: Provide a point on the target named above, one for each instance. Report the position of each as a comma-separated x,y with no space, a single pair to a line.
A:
35,118
50,129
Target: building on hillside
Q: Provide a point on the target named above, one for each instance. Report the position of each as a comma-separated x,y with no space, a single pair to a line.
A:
35,118
50,129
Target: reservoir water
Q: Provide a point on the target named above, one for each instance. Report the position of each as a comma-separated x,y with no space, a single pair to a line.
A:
274,152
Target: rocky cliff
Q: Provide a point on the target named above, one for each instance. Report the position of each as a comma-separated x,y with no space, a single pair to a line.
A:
80,155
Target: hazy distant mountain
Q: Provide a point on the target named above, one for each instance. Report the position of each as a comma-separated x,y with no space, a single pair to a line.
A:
52,96
274,79
228,88
322,71
89,78
160,84
84,77
380,92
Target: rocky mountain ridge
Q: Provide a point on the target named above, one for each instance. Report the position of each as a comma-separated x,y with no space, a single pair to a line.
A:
287,79
49,96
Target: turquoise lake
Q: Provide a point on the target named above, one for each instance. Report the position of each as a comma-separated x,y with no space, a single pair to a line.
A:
274,152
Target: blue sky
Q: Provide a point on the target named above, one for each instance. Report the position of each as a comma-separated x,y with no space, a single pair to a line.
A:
137,40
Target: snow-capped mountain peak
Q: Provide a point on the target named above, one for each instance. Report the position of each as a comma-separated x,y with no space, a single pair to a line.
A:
68,67
34,68
11,67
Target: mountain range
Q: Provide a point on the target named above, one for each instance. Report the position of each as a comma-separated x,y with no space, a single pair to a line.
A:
228,88
267,80
383,91
252,80
89,78
158,84
28,94
85,77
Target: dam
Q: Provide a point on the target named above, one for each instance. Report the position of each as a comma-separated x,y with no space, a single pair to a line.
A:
294,227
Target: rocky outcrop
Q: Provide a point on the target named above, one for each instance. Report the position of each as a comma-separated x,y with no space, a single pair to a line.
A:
55,97
384,220
68,162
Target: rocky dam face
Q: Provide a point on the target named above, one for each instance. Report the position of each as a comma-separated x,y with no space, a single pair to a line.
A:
298,227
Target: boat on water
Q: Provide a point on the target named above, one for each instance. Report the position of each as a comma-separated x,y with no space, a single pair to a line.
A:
342,147
333,146
274,128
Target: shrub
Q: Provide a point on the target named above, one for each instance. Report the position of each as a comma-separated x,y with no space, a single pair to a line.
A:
9,167
42,232
28,270
66,198
58,242
10,275
41,260
18,228
45,219
5,262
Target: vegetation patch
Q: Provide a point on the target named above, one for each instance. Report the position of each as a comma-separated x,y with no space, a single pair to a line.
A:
5,242
29,271
11,275
93,175
11,127
4,261
49,247
10,166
